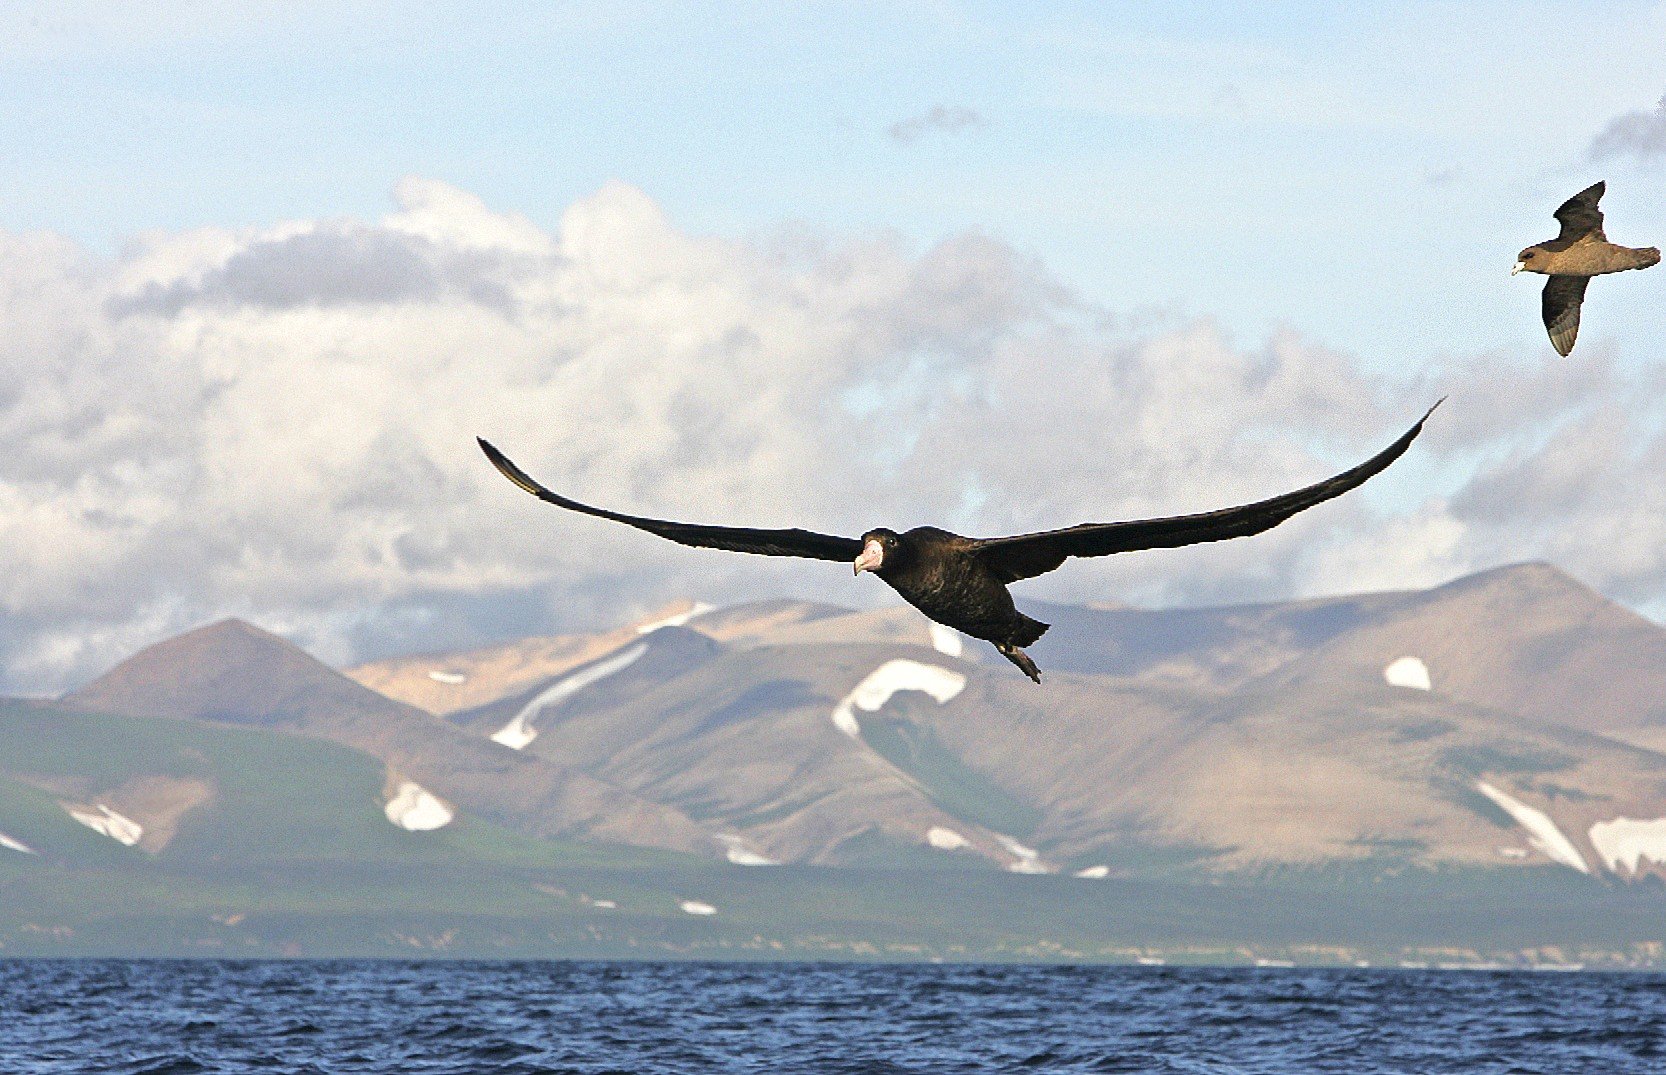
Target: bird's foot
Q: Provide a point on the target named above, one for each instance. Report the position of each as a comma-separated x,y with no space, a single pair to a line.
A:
1022,660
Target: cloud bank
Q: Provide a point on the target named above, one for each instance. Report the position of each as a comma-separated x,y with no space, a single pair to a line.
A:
279,423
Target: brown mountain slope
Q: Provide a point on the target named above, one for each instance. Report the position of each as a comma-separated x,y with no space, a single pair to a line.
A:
761,621
1525,639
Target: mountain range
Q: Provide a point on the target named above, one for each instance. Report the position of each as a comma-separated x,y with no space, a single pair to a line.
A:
1468,773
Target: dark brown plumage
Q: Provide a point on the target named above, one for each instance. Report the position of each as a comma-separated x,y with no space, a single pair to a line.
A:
1579,252
962,582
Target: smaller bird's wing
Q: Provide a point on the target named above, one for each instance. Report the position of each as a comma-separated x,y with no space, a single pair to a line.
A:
1562,296
1579,215
1027,555
806,543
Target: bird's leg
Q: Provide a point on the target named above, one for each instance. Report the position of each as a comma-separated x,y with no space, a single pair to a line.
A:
1021,659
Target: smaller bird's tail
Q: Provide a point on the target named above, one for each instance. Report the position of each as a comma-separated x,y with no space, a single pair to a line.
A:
1647,255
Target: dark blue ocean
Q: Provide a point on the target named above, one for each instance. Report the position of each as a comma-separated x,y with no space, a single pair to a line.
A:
159,1017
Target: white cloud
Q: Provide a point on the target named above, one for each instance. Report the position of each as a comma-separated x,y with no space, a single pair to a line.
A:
940,119
279,423
1636,134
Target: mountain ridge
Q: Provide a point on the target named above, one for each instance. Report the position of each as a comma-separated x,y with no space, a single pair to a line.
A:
233,672
1198,740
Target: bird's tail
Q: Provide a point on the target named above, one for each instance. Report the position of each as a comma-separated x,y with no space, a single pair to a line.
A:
1028,631
1646,256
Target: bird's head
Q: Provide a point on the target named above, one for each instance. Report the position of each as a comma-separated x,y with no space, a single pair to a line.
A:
880,550
1531,259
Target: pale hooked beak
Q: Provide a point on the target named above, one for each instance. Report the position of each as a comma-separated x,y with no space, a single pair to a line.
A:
1520,265
871,559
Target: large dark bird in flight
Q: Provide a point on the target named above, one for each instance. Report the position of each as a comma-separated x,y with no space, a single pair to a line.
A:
962,582
1579,252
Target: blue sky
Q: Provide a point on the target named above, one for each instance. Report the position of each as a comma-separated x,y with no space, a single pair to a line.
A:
1362,176
266,269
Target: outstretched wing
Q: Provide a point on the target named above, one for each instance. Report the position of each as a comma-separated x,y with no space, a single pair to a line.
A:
1579,215
1027,555
1562,296
795,542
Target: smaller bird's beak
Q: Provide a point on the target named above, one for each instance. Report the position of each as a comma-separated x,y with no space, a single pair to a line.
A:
870,560
1520,265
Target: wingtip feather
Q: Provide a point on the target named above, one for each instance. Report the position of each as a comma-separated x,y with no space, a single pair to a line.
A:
497,457
508,469
1418,426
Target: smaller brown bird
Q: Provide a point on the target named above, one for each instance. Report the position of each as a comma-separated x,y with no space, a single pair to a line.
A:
1578,253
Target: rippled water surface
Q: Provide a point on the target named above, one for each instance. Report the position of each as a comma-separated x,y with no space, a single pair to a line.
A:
157,1017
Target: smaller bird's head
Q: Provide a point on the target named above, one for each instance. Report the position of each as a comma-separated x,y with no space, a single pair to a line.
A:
880,550
1530,259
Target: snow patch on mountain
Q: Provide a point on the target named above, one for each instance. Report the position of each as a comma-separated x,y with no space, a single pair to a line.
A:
416,809
102,819
945,640
946,839
1408,672
15,845
1542,832
697,907
1094,873
1628,842
519,732
700,608
873,692
1025,859
742,855
450,679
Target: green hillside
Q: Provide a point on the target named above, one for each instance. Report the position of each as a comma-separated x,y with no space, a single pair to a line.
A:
275,799
290,854
291,830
